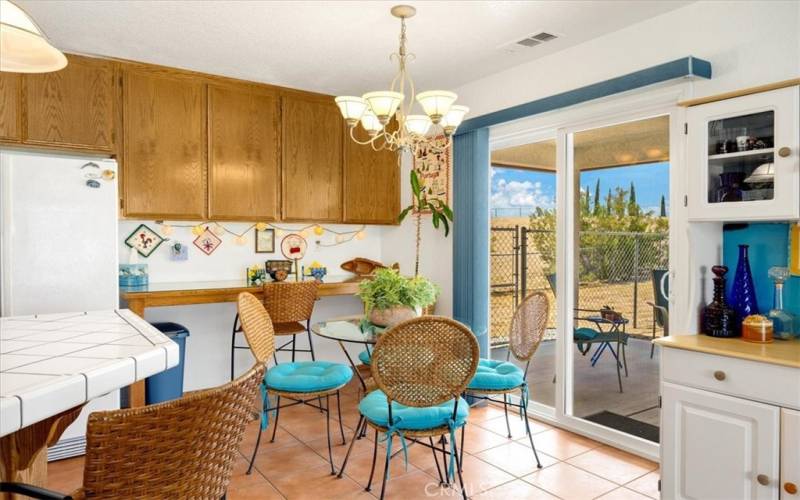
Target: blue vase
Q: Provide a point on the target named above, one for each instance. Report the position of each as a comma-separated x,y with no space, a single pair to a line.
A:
743,292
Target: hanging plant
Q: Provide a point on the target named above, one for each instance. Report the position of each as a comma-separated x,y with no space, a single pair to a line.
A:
441,214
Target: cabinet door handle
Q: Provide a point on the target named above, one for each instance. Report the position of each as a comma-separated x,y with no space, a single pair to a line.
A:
719,375
784,152
762,479
790,488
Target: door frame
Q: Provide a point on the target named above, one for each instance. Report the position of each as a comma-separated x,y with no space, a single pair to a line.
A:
604,112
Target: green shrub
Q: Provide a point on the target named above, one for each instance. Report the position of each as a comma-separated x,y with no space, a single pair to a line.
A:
388,289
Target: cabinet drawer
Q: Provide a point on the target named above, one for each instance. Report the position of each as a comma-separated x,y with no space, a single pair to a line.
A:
779,385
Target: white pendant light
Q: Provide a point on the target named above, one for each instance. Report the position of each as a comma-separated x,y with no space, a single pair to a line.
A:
418,124
352,108
453,118
371,123
23,46
383,103
436,103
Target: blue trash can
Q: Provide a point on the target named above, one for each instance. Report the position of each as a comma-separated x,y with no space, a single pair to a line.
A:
168,385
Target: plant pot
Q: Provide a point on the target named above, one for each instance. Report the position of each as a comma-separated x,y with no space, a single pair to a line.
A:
392,316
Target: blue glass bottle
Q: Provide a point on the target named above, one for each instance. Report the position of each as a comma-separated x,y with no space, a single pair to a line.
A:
743,292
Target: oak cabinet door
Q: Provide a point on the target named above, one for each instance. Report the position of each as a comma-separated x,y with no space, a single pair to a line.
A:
243,154
371,182
717,446
164,172
311,133
72,108
10,107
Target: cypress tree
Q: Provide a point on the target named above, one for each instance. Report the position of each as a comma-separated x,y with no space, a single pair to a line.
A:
633,208
597,198
663,206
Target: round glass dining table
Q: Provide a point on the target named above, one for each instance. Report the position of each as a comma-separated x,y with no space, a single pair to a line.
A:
347,330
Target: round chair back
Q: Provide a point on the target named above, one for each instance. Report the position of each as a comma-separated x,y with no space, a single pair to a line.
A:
290,301
528,326
257,326
425,361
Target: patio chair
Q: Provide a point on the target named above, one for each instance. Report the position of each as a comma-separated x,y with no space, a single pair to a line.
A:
184,448
660,279
290,305
421,367
300,381
502,377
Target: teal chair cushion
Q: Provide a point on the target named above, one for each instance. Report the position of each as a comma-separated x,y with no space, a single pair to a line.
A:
584,334
376,410
365,357
496,375
307,376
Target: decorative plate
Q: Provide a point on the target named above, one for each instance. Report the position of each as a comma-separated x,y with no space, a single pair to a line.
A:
207,242
293,247
144,240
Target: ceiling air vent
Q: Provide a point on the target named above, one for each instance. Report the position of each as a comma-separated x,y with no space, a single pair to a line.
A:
529,41
544,37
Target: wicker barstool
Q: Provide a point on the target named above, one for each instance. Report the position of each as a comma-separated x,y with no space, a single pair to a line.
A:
497,377
290,305
185,448
300,382
421,367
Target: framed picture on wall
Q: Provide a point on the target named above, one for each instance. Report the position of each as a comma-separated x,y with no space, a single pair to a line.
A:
265,241
433,169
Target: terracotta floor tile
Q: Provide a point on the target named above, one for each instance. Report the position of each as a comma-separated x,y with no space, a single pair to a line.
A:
241,479
412,486
478,439
570,483
483,413
315,483
478,475
358,466
623,494
515,458
646,485
282,439
66,475
363,445
498,426
278,463
262,491
311,427
613,464
514,490
562,444
422,457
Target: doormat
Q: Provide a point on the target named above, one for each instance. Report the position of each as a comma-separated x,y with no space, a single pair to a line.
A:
625,424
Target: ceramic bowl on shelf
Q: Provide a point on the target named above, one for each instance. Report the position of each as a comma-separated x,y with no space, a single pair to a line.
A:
762,174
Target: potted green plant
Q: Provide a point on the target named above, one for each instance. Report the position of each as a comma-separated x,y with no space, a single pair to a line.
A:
390,298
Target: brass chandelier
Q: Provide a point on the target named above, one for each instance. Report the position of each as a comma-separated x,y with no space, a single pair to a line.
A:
417,133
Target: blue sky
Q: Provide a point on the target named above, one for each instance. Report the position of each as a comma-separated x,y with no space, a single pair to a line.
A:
513,188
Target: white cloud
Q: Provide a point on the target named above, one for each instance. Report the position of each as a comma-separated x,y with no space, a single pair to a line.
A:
512,194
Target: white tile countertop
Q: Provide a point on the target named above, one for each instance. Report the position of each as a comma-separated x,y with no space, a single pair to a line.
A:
51,363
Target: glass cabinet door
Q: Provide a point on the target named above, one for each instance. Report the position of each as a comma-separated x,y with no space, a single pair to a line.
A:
743,157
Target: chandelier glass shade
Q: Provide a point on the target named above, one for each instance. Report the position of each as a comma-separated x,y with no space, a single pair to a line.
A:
23,46
430,131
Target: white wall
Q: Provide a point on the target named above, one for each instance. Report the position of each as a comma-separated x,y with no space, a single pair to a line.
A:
747,42
208,347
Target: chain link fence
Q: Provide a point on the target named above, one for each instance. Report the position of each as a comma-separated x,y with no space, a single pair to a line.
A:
615,270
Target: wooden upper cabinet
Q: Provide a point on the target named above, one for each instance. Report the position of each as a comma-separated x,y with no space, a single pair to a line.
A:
73,107
164,168
10,107
311,134
243,153
371,182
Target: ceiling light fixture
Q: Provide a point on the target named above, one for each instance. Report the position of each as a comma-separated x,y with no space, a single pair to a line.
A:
430,132
23,46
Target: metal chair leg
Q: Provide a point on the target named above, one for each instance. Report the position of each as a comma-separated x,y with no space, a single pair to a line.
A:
505,409
294,338
461,447
339,411
277,415
386,467
350,448
619,374
328,431
528,431
310,342
624,361
458,470
436,459
652,345
233,343
265,404
374,459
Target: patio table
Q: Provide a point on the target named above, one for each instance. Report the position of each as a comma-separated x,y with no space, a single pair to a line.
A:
52,365
613,327
347,329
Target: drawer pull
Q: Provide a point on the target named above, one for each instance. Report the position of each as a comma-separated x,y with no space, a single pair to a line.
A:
762,479
719,375
790,488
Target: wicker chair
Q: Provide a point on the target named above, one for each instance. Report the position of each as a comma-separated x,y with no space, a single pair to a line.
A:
185,448
319,379
420,364
290,305
497,377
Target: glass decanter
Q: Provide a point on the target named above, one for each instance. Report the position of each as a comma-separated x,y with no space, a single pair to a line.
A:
785,324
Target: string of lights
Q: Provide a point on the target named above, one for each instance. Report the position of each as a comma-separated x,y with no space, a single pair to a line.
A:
240,238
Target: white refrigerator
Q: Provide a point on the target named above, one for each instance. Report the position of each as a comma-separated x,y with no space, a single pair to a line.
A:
58,247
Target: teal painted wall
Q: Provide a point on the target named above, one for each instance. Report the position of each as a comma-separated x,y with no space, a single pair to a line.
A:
769,247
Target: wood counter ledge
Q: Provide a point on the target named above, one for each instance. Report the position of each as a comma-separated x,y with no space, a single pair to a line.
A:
779,352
